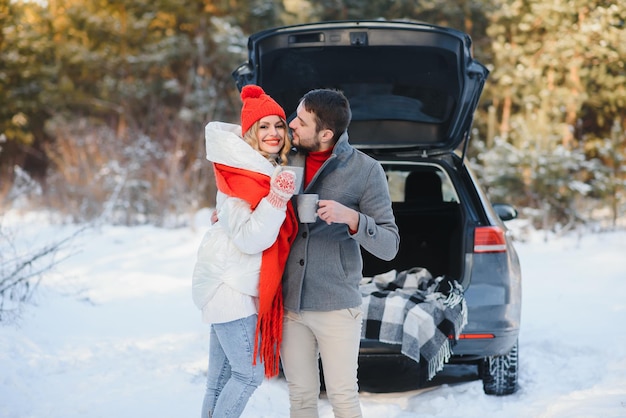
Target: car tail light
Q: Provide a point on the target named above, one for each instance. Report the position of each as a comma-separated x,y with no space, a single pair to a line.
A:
489,239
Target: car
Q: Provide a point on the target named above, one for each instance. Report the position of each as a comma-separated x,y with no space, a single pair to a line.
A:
413,89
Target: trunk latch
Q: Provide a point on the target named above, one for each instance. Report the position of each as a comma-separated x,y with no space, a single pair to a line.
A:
358,38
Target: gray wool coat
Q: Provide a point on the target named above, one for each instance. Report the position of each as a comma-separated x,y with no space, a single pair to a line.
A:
324,268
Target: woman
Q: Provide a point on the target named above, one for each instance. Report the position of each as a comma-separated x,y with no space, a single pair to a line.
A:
237,276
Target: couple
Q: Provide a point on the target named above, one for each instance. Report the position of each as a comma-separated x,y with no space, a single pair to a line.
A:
274,289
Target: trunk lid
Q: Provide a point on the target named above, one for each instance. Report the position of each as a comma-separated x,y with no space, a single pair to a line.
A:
412,87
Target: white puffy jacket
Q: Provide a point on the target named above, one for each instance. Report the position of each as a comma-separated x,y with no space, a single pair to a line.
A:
231,249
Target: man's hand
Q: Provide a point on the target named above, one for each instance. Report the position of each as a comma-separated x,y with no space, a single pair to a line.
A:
334,212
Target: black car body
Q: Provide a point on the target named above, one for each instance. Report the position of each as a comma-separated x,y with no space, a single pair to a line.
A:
413,90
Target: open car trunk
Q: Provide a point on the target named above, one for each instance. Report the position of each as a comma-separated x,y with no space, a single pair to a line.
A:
413,90
430,223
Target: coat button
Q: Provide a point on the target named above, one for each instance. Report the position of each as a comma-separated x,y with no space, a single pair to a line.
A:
301,261
304,234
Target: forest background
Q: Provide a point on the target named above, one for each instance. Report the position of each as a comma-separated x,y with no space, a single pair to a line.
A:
103,103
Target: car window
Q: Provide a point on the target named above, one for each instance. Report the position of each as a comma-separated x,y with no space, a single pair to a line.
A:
420,184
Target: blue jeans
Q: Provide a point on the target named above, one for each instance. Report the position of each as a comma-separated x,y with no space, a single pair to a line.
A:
232,378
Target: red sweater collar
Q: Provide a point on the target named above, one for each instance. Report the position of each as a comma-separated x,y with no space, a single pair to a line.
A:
314,161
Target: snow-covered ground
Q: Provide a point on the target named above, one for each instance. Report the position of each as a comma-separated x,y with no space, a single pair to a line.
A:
113,333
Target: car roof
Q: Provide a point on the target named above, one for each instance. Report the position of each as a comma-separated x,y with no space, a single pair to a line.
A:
411,85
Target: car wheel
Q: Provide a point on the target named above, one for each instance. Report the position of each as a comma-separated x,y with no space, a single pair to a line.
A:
499,373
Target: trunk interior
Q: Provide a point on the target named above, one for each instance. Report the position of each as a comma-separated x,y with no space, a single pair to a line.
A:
428,215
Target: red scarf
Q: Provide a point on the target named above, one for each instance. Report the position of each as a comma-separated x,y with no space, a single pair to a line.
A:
252,187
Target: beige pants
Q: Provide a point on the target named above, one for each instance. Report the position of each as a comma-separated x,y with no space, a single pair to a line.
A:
334,336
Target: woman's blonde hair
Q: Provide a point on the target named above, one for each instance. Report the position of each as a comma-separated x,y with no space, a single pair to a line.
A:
250,137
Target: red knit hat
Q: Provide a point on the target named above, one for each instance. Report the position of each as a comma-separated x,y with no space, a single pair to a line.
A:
257,105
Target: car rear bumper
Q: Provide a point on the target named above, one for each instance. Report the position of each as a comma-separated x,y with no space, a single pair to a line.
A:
491,331
465,349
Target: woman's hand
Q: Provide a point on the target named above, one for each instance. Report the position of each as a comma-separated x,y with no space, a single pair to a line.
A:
282,187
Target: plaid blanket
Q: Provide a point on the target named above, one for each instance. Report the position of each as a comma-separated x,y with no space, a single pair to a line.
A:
415,310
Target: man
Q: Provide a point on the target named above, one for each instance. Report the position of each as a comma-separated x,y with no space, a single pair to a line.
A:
322,300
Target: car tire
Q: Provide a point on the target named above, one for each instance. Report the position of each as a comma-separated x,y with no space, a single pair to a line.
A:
499,373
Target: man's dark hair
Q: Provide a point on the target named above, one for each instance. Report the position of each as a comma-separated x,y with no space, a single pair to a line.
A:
331,109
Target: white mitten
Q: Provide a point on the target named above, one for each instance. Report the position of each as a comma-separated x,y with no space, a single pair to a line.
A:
282,187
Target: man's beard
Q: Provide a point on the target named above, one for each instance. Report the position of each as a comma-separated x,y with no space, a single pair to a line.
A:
301,150
306,149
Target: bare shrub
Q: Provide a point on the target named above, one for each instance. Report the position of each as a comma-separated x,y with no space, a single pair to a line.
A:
126,178
21,270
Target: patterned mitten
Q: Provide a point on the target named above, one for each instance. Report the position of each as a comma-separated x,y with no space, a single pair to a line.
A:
282,187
